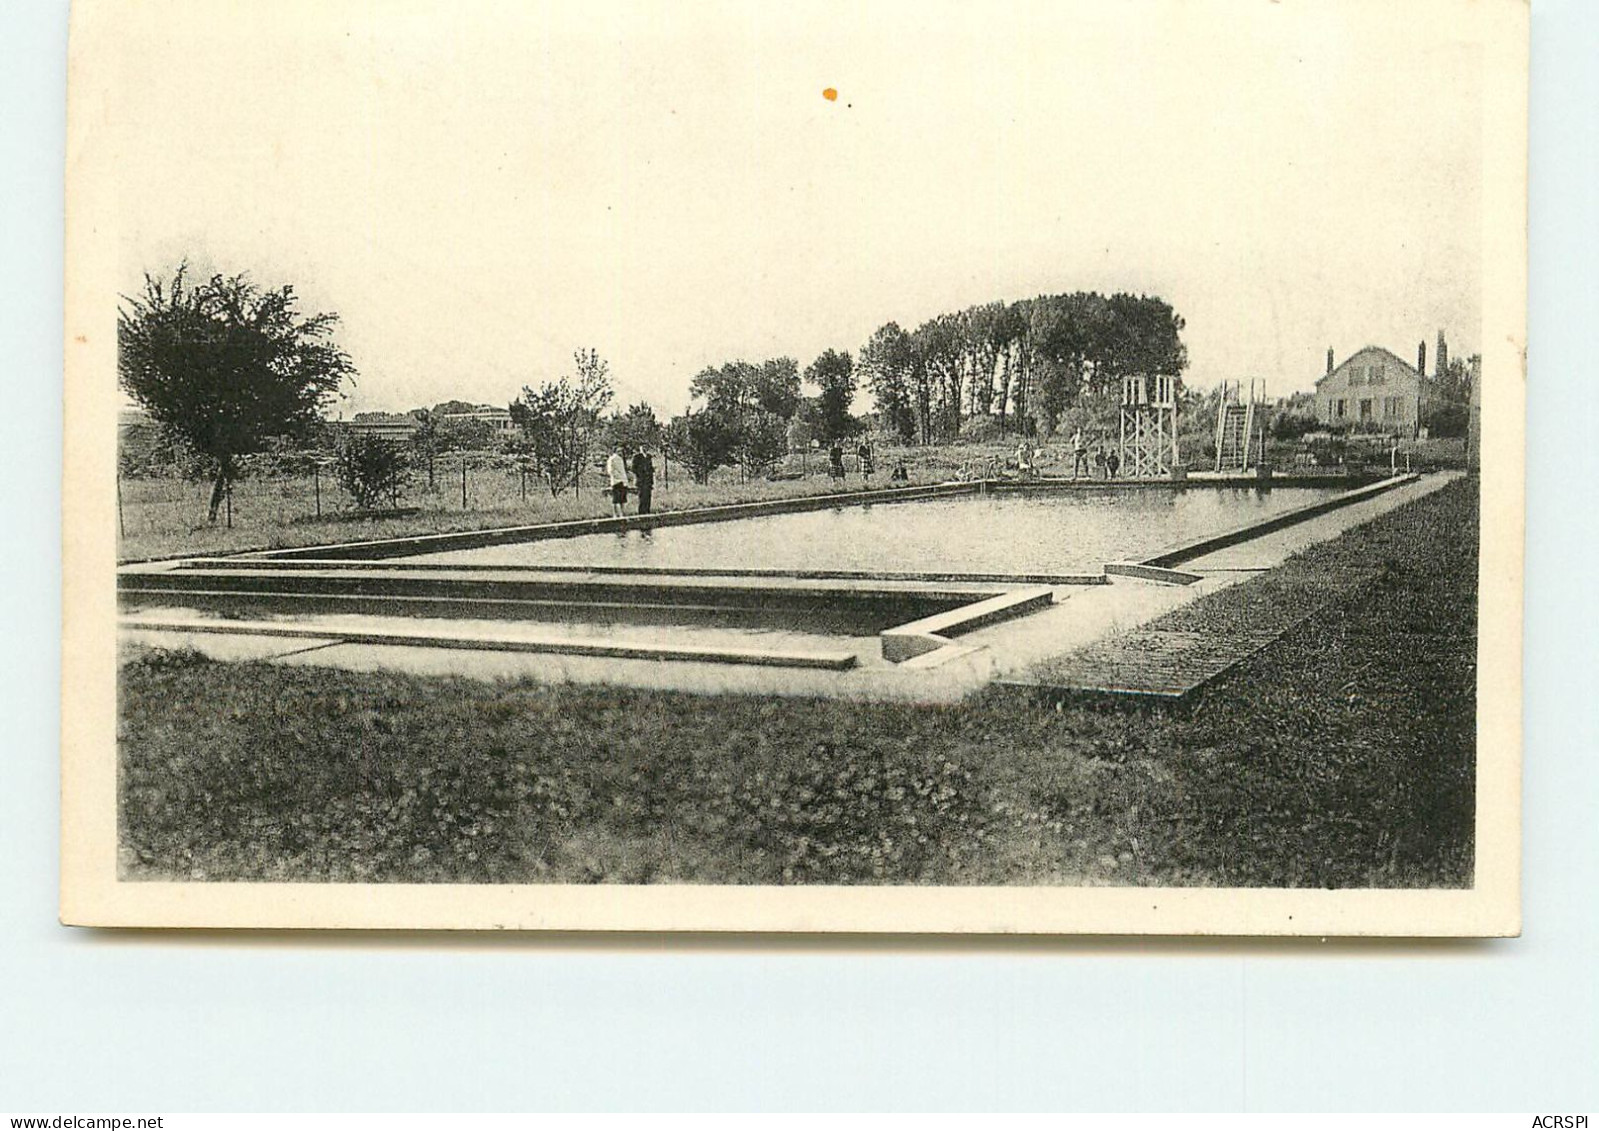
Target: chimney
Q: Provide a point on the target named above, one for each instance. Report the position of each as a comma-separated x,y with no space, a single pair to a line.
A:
1441,358
1329,359
1421,357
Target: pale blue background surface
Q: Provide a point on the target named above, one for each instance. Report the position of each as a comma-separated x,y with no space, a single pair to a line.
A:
144,1023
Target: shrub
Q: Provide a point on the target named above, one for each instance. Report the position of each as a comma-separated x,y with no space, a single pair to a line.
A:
704,441
1292,425
372,470
1327,450
1447,421
982,430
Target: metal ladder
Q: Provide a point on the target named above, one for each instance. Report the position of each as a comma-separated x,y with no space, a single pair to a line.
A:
1235,424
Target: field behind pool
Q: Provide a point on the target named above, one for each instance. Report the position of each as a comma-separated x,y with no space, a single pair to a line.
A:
166,517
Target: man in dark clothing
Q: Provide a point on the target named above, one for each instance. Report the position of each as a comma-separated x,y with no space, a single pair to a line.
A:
835,460
643,479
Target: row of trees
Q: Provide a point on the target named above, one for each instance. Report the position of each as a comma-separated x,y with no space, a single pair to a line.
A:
750,415
1022,364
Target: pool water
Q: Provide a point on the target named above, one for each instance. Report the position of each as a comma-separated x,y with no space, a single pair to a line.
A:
1031,532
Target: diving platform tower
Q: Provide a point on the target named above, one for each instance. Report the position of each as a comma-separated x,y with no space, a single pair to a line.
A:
1149,426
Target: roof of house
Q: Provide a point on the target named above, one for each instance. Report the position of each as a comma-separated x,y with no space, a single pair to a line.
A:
1401,362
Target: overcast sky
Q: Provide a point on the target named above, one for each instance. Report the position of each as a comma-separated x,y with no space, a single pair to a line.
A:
480,190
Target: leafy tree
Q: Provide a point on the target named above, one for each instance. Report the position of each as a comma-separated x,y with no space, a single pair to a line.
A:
633,429
985,340
888,360
226,365
436,434
833,374
425,441
1009,330
1057,340
465,434
1058,387
1446,409
560,420
777,387
1145,336
762,440
372,470
704,441
726,389
737,387
941,353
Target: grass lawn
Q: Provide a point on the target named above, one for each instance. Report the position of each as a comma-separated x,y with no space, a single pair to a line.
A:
1341,756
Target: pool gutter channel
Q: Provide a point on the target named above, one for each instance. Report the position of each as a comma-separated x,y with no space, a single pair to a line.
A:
825,659
1161,566
1180,552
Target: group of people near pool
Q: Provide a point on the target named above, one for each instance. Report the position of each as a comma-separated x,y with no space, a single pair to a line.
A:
1104,463
1025,464
865,463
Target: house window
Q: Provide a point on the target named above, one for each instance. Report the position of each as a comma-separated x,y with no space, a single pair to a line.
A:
1357,374
1379,374
1390,408
1365,409
1339,403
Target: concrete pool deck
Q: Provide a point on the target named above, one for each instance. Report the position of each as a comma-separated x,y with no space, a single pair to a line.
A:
1079,616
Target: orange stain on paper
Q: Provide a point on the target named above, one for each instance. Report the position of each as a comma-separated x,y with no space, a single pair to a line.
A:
830,94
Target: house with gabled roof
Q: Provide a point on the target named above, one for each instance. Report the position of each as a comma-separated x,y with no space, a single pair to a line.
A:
1372,390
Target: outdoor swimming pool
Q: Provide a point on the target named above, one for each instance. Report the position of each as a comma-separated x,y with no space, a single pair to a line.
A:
1045,532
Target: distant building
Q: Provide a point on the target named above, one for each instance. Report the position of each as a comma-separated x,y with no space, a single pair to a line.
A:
498,419
1373,388
383,425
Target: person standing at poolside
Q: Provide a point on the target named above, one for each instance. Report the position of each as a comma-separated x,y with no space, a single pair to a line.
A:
616,469
835,460
864,455
643,479
1079,454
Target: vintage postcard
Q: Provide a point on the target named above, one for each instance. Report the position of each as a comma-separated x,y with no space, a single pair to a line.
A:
887,467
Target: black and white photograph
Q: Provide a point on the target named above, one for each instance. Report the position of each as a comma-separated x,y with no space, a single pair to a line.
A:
1041,468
